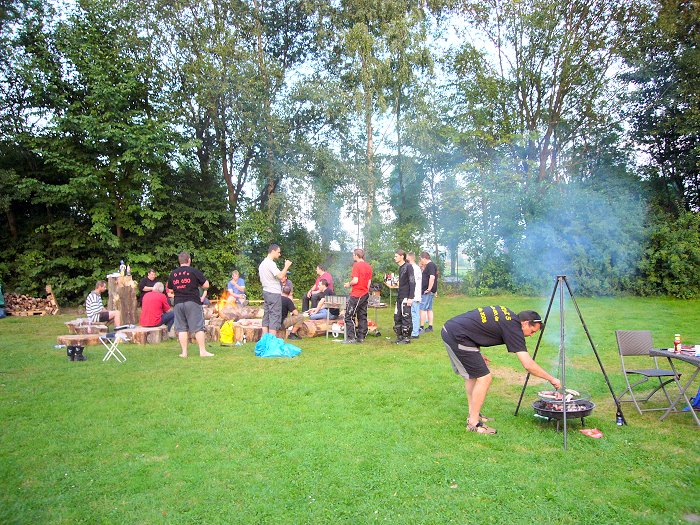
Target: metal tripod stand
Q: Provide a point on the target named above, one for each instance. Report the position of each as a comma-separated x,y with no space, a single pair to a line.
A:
559,284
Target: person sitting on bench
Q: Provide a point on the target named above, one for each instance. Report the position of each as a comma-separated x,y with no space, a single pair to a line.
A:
95,310
156,309
320,311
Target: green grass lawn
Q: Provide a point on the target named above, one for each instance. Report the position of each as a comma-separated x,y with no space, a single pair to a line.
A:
360,434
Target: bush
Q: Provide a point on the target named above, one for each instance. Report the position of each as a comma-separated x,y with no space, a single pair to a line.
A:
671,258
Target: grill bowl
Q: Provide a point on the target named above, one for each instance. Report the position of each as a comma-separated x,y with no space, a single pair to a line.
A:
542,410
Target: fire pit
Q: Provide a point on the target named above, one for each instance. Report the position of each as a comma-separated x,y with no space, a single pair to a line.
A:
555,409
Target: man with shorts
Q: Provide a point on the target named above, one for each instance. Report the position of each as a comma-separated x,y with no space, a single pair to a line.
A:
360,281
290,315
95,310
465,334
270,278
428,291
185,283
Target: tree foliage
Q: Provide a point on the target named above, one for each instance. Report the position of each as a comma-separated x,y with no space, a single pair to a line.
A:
134,130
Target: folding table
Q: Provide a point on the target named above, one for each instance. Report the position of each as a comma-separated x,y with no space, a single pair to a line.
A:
693,360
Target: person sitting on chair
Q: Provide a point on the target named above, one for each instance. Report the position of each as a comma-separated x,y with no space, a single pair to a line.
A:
320,312
96,311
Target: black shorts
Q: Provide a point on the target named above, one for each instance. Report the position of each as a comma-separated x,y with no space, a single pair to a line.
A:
467,361
104,317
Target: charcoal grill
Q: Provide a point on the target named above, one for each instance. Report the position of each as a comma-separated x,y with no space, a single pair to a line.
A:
545,409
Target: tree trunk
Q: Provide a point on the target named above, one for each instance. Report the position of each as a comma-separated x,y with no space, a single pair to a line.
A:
122,297
11,223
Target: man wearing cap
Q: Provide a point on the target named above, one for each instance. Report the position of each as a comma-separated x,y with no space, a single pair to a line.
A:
465,334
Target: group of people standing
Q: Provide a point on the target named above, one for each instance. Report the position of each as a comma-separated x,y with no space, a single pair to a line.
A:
416,291
414,305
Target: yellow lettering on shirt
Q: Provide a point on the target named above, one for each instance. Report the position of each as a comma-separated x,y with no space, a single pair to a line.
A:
482,314
495,313
506,313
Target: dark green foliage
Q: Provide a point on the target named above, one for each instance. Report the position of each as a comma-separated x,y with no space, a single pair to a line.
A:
127,131
672,257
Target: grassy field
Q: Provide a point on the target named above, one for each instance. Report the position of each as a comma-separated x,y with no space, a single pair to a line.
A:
361,434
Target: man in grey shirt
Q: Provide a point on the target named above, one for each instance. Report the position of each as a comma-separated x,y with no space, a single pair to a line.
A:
270,277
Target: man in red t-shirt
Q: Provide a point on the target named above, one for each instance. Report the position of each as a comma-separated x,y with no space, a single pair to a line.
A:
155,309
360,281
313,296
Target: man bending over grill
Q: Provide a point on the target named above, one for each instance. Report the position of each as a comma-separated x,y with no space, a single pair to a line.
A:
465,334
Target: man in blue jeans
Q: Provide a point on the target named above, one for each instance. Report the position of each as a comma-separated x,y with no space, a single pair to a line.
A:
415,305
320,312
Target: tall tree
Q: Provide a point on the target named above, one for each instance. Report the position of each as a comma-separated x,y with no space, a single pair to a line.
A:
664,106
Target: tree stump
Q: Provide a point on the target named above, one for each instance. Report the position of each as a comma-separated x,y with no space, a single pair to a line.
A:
209,334
146,335
84,326
122,297
248,330
79,339
236,312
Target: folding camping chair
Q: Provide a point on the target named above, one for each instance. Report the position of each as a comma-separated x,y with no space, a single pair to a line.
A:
638,343
111,342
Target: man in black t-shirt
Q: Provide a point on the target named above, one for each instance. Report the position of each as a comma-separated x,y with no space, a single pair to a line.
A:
404,299
465,334
429,285
146,284
185,281
290,314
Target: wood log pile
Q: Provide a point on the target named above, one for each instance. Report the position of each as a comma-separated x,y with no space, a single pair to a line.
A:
25,305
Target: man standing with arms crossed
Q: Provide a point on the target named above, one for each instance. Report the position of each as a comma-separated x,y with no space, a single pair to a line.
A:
270,278
185,283
360,280
428,291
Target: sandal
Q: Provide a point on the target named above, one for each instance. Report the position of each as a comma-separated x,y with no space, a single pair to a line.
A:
482,418
480,428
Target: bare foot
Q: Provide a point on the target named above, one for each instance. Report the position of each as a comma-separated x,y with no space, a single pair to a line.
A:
182,355
205,354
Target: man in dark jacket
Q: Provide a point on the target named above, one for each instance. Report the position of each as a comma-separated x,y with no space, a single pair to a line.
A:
404,299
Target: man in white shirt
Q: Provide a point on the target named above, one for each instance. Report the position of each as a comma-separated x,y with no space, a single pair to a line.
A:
415,305
270,278
95,310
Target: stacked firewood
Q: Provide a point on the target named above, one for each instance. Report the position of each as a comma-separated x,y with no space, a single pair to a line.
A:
24,305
